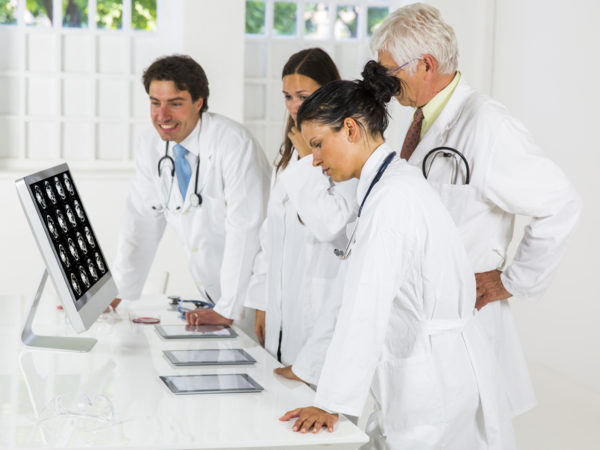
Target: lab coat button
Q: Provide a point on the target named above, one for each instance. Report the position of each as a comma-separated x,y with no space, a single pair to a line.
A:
195,249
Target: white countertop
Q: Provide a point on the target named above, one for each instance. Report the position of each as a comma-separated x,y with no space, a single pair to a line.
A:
123,368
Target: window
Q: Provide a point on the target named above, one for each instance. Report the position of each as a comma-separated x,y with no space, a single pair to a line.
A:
70,77
277,29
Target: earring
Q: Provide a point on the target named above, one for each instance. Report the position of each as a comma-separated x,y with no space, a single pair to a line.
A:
349,139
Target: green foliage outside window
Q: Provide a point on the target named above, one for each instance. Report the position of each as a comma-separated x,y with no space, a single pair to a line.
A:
75,13
109,14
41,10
8,8
374,18
255,17
346,22
143,15
309,24
284,21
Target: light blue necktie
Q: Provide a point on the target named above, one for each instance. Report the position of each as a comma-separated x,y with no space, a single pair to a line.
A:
182,169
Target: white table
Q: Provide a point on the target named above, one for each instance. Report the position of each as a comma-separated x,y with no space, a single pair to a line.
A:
124,367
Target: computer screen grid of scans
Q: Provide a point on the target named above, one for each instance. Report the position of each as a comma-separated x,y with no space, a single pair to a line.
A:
69,231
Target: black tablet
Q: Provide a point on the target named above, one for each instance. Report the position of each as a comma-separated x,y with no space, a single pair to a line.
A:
211,384
184,331
209,357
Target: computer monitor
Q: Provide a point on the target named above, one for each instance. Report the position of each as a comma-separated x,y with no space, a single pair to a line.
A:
71,253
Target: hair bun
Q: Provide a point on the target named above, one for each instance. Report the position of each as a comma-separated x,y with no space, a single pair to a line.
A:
378,83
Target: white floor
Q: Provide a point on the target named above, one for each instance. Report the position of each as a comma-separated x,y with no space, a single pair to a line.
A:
567,416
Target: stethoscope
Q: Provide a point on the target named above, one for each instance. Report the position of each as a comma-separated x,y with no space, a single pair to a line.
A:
196,197
177,302
386,162
447,152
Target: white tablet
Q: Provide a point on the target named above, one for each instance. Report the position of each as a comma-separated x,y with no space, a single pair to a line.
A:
211,384
208,357
184,331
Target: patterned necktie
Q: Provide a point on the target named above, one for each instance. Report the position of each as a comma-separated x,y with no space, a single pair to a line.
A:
412,135
183,171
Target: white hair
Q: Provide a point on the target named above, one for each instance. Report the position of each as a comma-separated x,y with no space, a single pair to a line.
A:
416,30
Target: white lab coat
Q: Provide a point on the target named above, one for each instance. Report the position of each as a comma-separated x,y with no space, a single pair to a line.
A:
296,270
509,175
220,237
405,327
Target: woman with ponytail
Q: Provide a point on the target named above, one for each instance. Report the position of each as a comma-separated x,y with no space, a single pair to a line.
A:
404,330
296,269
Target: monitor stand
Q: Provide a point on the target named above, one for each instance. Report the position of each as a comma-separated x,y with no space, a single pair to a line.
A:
29,338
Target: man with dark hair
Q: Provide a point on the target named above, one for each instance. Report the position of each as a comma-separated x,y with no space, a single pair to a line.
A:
205,175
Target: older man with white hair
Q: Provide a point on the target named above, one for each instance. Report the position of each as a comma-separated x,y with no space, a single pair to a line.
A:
507,175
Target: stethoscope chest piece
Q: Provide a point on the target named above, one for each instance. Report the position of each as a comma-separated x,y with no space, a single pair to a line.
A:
195,199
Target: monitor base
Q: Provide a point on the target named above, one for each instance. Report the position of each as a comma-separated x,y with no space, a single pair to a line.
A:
29,338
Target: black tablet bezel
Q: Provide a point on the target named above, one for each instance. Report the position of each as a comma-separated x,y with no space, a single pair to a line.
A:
166,379
168,354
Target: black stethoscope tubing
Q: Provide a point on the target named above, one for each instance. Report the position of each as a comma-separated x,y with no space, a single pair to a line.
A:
196,197
384,165
386,162
450,149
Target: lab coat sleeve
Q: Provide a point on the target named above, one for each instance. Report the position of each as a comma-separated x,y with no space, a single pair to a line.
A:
374,275
309,362
324,207
245,181
257,288
142,227
521,180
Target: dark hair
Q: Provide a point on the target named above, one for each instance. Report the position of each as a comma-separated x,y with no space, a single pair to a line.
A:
314,63
182,70
363,100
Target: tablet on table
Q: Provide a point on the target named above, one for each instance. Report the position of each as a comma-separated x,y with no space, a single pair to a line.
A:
208,357
211,384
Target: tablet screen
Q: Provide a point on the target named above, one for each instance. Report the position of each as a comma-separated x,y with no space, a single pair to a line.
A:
204,384
184,331
208,357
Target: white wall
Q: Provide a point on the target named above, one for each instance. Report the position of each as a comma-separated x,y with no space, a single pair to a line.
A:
546,70
213,33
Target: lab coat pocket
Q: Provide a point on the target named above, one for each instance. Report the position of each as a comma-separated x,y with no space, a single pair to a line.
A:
461,201
215,212
409,393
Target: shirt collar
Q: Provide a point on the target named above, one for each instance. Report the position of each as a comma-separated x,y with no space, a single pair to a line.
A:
434,107
192,142
369,170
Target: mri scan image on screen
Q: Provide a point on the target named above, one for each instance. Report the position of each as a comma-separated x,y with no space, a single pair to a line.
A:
70,249
75,238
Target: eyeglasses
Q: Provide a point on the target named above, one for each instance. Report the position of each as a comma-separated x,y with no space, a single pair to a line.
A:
393,71
85,412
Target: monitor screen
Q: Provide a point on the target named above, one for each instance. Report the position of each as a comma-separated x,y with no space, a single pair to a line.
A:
66,239
66,224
